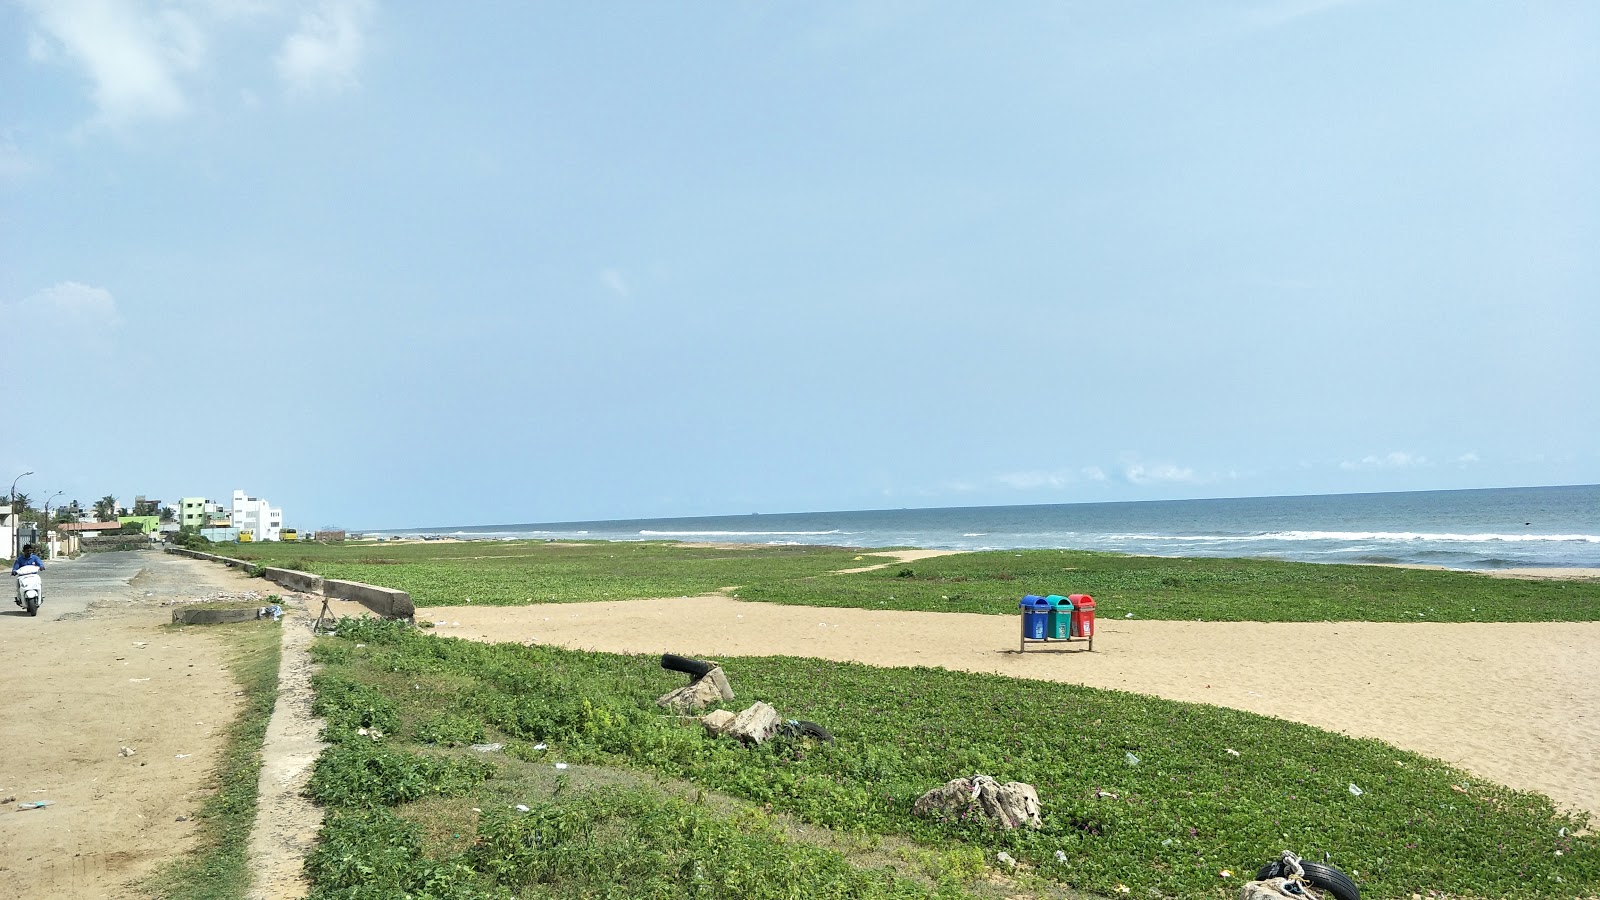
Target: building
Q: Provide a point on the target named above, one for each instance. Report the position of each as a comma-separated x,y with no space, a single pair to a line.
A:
192,512
198,512
147,524
257,516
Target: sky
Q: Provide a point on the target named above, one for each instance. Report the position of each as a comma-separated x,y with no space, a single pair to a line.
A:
399,265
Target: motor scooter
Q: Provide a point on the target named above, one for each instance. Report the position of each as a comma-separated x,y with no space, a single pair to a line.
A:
30,588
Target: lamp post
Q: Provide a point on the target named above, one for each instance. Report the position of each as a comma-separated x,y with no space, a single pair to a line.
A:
47,532
14,512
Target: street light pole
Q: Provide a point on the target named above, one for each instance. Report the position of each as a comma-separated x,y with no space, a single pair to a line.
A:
14,512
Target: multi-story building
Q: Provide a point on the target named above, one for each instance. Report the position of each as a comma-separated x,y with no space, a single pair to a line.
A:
198,512
257,516
192,512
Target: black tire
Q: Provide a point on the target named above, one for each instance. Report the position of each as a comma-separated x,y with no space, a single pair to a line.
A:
33,606
696,668
1270,870
1331,880
1328,878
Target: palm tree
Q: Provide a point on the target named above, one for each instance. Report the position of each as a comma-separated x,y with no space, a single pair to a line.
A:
105,509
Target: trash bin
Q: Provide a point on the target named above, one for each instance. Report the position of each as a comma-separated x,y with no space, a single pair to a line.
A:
1060,628
1035,618
1083,616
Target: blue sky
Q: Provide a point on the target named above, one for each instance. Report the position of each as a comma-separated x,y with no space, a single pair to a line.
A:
414,264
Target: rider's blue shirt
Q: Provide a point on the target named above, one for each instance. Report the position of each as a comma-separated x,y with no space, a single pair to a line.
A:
31,559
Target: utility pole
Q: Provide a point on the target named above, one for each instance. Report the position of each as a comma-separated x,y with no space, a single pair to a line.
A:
14,523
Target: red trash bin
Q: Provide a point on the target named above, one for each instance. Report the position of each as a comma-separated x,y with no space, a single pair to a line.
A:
1083,617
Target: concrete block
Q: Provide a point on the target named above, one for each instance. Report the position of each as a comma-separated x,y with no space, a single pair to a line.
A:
386,602
294,579
211,616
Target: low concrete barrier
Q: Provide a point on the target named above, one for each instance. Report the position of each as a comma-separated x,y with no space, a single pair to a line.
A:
386,602
293,579
212,616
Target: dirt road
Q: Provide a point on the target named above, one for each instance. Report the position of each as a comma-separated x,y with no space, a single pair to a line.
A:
92,674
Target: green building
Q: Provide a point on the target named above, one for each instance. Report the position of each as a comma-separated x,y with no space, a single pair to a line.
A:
147,524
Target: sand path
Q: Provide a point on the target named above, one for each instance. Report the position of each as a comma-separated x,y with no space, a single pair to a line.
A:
1515,703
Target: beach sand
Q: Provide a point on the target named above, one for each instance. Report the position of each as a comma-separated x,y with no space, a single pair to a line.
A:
1518,704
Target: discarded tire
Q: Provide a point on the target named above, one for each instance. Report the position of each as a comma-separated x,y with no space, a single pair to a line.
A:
696,668
1328,878
807,729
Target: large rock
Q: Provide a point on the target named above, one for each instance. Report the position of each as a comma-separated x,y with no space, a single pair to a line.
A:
1009,805
755,724
692,697
717,722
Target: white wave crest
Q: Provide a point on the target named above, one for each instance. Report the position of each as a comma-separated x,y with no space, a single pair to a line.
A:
735,533
1390,536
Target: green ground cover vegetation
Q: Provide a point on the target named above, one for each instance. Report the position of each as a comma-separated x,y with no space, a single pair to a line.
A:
1257,590
1139,793
497,573
216,867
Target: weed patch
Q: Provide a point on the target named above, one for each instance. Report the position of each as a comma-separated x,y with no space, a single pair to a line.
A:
217,868
1138,791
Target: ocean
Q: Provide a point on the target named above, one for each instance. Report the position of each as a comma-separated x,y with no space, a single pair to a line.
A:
1539,527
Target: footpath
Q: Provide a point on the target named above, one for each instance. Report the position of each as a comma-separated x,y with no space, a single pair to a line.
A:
111,720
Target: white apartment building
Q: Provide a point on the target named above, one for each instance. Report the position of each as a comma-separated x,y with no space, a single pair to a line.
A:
255,515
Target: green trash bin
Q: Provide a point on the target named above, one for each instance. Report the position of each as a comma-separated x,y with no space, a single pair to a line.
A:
1059,627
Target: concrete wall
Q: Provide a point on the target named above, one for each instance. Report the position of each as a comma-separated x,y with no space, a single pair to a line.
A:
386,602
294,580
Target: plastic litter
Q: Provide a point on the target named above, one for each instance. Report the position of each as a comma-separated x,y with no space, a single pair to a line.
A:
1132,760
1061,856
561,765
37,804
1355,791
272,611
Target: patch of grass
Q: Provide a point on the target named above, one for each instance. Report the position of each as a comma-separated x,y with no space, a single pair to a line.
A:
1211,590
497,573
1138,791
216,869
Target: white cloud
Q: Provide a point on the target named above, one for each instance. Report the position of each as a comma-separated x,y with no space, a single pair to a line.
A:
613,279
69,305
325,52
1094,473
1395,460
1158,473
143,58
1467,459
68,317
134,53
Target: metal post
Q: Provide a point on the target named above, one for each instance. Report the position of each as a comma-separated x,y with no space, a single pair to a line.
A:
14,534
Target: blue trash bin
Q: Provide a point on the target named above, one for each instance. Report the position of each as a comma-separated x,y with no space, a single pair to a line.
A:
1035,617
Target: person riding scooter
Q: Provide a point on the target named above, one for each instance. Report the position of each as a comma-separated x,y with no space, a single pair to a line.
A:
26,558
